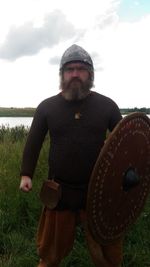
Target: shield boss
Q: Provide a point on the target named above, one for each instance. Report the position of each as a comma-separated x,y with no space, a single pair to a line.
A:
120,181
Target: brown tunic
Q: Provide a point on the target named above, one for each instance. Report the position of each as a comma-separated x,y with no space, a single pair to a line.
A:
77,132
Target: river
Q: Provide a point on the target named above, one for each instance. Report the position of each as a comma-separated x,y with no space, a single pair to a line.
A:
17,121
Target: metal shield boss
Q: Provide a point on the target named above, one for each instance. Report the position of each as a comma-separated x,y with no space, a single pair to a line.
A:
120,181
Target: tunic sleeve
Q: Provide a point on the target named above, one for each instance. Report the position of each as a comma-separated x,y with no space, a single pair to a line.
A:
115,116
34,142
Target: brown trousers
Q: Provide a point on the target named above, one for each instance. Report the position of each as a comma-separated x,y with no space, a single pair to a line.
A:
56,234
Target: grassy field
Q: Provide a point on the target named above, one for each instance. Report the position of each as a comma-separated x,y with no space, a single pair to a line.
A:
29,112
19,213
16,112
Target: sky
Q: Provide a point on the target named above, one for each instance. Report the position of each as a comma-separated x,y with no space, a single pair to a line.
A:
35,33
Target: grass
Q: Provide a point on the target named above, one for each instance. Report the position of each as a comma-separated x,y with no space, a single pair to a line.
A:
19,214
16,112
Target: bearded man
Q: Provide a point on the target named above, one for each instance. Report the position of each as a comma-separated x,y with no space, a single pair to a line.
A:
77,120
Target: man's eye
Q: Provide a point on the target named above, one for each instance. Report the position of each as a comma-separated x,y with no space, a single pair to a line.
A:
82,69
69,69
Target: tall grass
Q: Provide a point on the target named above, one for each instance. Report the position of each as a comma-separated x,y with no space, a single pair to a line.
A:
19,213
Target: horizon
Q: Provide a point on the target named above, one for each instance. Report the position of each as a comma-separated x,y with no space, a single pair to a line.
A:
36,107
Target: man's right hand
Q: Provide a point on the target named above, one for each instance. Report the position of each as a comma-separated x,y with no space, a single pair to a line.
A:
25,184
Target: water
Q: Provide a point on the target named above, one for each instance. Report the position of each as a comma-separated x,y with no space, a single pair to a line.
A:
15,121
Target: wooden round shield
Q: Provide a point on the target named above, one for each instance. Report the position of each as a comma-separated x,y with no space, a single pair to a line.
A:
120,181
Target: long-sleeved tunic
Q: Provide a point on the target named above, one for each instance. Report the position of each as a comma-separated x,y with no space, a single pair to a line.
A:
77,131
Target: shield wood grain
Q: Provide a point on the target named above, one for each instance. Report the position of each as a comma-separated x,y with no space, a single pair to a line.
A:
120,181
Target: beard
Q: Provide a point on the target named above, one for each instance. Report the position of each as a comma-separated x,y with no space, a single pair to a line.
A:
75,89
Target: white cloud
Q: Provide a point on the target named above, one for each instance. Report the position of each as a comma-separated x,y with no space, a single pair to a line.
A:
29,40
127,64
120,50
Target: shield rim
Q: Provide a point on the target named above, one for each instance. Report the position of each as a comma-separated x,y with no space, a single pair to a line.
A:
104,150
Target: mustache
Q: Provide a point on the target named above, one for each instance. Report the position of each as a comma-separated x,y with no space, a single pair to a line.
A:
75,80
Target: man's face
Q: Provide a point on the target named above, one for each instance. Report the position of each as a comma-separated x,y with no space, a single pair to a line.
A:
76,82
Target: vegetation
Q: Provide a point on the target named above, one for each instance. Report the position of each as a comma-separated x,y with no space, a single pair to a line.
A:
130,110
16,112
19,213
29,112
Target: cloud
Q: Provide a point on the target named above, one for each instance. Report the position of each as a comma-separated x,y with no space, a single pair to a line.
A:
54,60
29,40
108,18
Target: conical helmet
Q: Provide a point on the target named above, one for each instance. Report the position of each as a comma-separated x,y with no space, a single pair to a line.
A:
76,53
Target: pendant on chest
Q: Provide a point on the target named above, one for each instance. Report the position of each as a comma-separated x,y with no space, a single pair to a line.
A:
77,115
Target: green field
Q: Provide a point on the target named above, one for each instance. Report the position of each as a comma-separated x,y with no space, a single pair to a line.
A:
29,112
19,213
16,112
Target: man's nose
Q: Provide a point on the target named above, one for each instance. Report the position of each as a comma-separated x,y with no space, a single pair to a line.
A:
75,72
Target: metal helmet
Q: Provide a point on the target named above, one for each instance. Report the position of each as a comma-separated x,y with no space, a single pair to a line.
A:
76,53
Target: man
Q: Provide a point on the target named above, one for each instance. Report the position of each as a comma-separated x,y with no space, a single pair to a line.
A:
77,120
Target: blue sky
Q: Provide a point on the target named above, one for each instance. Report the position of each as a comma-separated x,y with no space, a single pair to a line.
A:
133,10
35,33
